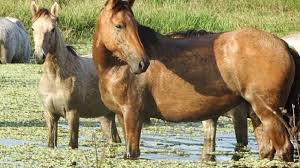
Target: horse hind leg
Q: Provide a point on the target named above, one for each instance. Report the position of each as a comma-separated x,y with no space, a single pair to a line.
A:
209,129
271,134
109,128
52,122
266,149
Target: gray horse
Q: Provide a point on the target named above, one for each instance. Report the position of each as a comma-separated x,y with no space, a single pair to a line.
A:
14,42
69,84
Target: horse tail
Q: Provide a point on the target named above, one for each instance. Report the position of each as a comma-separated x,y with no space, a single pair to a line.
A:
293,103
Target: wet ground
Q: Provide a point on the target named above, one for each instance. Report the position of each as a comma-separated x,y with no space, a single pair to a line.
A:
168,146
187,148
23,136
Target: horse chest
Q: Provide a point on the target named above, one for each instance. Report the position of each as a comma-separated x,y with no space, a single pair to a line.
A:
56,95
113,93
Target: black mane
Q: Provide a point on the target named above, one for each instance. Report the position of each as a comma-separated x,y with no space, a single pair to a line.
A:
189,34
72,50
147,35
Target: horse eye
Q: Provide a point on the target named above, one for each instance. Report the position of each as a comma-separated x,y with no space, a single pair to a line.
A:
119,26
52,30
32,29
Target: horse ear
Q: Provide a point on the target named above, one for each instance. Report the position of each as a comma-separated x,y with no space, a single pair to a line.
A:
34,8
55,9
111,3
130,2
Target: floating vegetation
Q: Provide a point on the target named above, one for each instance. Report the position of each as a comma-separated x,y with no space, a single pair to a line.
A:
23,136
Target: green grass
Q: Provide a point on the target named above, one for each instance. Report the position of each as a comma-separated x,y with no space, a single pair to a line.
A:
77,17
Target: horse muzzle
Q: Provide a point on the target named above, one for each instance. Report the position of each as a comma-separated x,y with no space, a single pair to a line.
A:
137,65
39,57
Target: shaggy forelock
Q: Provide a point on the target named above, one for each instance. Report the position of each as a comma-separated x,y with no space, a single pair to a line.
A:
121,5
40,13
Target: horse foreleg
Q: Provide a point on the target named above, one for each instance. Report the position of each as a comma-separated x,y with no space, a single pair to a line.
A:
133,121
51,121
209,129
73,122
109,128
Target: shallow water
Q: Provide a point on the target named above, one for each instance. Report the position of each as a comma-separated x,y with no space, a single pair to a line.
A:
188,148
12,142
171,145
167,148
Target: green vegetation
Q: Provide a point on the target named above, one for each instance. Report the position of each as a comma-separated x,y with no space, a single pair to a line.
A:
77,17
23,135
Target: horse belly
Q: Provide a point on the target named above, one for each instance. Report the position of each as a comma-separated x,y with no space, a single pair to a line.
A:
53,103
189,96
92,108
195,108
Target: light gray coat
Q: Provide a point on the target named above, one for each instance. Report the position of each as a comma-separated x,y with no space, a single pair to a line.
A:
14,42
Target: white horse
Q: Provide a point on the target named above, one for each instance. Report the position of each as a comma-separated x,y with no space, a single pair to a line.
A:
14,42
293,40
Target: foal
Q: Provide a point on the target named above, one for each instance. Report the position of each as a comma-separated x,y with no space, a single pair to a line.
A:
68,87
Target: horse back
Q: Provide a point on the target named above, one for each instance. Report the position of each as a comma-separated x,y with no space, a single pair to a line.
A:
15,40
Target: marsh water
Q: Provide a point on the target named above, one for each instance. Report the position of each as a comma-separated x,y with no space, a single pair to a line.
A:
23,136
188,148
168,144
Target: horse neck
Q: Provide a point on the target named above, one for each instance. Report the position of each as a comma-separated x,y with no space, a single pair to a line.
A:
60,61
160,47
103,58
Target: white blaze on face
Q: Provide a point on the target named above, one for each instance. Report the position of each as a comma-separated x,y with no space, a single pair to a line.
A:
41,34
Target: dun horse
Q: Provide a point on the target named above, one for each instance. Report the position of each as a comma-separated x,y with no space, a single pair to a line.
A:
68,87
191,79
238,114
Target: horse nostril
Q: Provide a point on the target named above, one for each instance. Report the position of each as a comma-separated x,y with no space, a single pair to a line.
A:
142,65
44,56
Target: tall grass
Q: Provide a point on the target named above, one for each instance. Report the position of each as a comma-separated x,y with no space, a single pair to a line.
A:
78,17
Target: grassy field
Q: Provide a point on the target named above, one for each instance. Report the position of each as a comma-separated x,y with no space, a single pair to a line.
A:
77,17
23,135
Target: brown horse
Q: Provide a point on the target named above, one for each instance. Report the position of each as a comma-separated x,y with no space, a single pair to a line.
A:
68,87
192,79
238,114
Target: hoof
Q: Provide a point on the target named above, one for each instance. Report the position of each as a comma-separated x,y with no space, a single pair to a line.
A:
116,139
129,156
208,157
73,146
